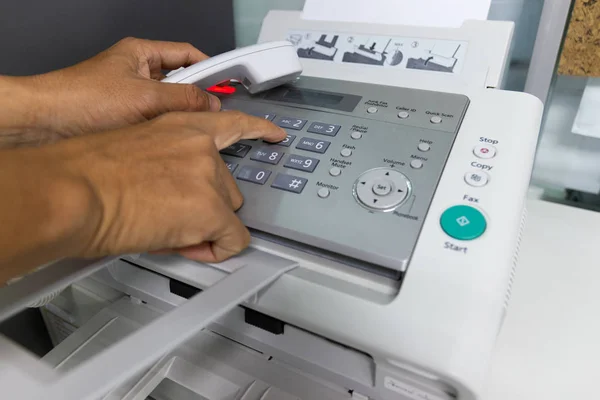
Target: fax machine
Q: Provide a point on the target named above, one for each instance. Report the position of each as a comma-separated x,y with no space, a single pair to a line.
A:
385,238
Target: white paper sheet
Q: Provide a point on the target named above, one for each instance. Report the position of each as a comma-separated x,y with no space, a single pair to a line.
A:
441,13
587,121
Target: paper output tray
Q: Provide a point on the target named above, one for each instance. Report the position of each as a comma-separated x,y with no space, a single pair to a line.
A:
114,362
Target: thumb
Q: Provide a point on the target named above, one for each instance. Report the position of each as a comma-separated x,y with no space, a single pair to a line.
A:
185,97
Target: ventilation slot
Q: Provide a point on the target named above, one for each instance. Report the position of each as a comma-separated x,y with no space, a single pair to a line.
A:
515,259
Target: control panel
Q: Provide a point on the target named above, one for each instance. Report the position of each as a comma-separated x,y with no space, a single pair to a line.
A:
357,172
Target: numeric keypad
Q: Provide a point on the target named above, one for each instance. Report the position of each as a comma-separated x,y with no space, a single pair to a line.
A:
273,153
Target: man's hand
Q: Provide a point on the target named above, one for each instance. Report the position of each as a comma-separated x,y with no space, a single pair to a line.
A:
157,185
118,87
163,184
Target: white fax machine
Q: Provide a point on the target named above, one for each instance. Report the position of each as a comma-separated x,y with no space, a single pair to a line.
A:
385,234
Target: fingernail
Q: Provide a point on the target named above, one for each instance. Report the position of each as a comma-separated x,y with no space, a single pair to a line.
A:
215,103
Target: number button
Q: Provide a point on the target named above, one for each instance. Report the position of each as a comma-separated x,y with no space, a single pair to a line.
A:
267,155
254,175
290,183
324,129
231,166
237,150
316,146
301,163
291,123
287,141
268,117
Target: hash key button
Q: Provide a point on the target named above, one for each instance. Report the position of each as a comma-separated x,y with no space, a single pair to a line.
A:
289,183
237,150
301,163
253,174
316,146
290,123
323,129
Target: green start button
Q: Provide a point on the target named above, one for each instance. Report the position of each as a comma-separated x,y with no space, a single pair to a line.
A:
463,222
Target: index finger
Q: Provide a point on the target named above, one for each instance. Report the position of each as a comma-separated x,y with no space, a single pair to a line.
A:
170,55
229,127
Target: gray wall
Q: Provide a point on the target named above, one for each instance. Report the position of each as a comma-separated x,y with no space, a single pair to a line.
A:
40,35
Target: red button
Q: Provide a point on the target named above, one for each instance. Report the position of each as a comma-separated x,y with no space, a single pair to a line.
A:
484,151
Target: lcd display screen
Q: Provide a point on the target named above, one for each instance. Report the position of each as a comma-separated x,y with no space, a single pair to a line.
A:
310,98
314,98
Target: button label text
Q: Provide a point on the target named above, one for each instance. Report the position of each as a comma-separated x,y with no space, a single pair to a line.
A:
470,199
483,139
483,167
453,247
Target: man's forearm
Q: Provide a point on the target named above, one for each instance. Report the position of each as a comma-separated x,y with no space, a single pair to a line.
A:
44,210
22,113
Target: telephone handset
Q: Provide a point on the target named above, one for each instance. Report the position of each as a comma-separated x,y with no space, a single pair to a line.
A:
258,67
